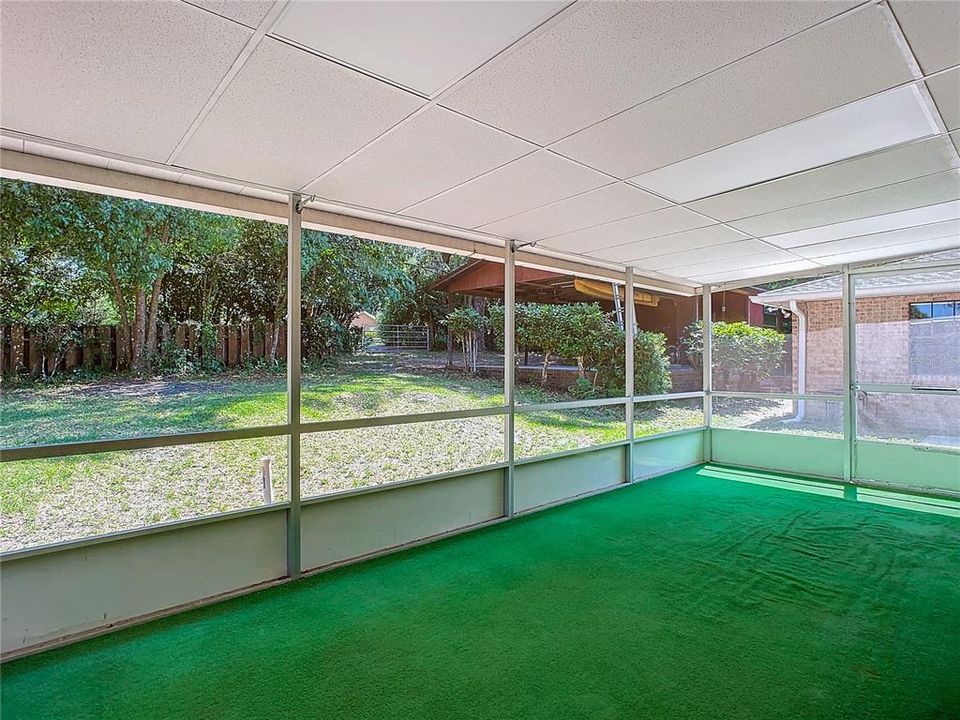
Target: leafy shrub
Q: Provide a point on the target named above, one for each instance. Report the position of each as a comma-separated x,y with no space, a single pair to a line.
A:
742,354
651,365
322,336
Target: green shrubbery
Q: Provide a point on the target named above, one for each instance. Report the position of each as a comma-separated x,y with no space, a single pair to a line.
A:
583,333
742,354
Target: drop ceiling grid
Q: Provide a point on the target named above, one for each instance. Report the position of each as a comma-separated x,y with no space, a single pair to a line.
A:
61,80
276,124
901,236
795,79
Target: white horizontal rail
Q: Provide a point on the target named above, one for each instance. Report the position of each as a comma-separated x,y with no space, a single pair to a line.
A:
775,396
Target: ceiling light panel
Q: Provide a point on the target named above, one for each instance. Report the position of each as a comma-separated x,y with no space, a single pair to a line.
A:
871,124
420,45
865,226
413,162
665,244
249,12
718,254
927,190
857,174
891,251
932,27
596,207
600,58
660,222
945,90
524,184
102,74
759,271
876,241
824,68
289,116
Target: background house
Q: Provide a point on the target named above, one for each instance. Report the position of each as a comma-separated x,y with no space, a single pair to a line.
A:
908,333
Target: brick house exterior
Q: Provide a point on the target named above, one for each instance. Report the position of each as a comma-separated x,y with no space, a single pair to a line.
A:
892,348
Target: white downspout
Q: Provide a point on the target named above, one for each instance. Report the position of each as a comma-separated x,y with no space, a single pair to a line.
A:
801,359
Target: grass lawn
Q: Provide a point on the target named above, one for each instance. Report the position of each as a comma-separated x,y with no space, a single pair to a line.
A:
689,596
51,500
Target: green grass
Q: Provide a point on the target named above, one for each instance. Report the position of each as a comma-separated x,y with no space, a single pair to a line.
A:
689,596
51,500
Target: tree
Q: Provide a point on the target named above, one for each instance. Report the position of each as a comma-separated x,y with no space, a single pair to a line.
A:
467,325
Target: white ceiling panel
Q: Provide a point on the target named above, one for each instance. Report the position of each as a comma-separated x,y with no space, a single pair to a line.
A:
530,182
425,156
945,90
110,75
889,251
867,225
665,244
629,230
747,273
932,27
927,190
821,69
289,116
876,241
884,168
860,127
249,12
600,58
596,207
420,45
719,254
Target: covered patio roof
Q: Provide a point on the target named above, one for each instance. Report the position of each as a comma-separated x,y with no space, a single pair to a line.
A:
698,143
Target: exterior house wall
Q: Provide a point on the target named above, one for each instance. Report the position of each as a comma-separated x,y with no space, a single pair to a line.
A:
883,356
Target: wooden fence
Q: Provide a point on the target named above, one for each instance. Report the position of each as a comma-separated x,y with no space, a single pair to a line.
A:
106,347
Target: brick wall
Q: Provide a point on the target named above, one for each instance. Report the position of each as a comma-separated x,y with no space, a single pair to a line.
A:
883,356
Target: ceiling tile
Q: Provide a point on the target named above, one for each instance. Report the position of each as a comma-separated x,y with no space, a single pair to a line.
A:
605,204
747,273
927,190
420,45
665,244
629,230
872,224
945,90
877,122
288,116
524,184
600,58
110,75
720,255
413,162
883,168
932,231
249,12
821,69
932,27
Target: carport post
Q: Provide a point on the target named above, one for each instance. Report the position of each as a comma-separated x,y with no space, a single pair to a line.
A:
293,384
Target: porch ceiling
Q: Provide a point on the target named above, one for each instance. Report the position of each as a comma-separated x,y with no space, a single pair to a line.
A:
697,142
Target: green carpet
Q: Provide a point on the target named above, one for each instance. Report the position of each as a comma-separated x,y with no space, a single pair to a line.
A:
689,596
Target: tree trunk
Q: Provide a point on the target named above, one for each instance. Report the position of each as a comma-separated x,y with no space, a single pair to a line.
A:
152,318
543,372
121,305
138,359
